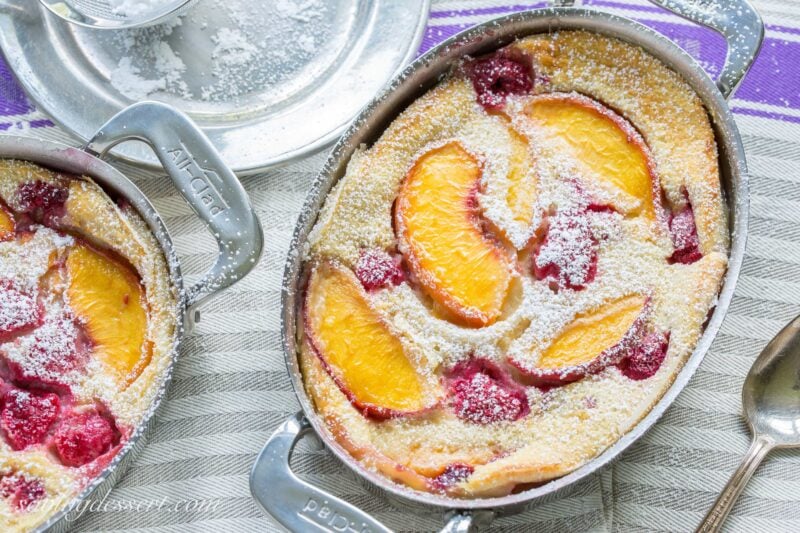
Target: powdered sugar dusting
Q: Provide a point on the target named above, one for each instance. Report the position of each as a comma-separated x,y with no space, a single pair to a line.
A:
135,8
53,354
568,252
587,240
19,309
240,40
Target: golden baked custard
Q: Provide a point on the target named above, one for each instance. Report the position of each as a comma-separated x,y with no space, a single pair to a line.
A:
512,275
87,327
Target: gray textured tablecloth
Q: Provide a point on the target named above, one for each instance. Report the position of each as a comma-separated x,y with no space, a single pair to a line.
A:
231,389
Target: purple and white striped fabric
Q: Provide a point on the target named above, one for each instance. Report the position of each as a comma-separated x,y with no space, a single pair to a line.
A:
231,391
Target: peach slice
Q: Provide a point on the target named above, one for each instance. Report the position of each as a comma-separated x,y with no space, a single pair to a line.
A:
6,224
364,358
593,341
108,298
603,143
521,196
458,264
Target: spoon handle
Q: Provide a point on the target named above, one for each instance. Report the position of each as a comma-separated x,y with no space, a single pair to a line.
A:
759,448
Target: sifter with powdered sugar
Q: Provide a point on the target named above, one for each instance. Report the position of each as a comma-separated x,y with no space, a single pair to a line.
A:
117,14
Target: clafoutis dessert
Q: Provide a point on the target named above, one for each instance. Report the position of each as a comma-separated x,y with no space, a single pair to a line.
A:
87,326
511,276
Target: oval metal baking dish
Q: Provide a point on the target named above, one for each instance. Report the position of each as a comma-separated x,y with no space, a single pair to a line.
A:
302,507
207,185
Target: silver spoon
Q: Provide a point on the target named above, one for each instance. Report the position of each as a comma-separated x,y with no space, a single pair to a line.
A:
771,398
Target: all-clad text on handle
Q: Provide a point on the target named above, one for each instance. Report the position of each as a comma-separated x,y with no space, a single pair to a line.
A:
297,505
204,180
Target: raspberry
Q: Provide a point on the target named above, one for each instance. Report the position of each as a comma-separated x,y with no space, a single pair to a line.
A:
683,231
83,437
43,201
568,252
496,77
453,473
377,269
20,491
19,310
482,393
26,417
58,347
645,358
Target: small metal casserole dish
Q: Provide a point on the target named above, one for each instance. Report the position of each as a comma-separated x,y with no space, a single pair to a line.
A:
207,185
302,507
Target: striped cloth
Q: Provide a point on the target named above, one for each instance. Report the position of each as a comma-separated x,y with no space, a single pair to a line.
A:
231,390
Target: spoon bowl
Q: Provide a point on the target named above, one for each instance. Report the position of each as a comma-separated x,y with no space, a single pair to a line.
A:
771,401
771,393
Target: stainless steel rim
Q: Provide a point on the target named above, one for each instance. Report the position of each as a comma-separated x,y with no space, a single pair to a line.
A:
421,75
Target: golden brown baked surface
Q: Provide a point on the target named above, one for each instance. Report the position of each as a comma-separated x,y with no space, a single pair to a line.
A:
88,318
507,281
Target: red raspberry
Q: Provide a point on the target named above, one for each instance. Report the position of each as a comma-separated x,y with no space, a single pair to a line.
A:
568,252
646,357
19,310
683,231
20,491
26,417
496,77
453,473
377,269
83,437
59,346
43,201
482,393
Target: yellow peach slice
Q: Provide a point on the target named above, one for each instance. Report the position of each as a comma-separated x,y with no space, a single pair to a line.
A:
6,224
459,266
521,196
602,142
109,299
592,341
364,358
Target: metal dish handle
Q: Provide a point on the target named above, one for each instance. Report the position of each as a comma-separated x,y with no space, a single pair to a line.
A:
297,505
737,21
204,180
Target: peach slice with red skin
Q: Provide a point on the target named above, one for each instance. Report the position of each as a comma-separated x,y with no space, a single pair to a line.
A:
109,299
358,350
604,143
591,342
458,264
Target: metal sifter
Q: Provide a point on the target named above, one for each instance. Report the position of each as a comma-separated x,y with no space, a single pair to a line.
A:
105,14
